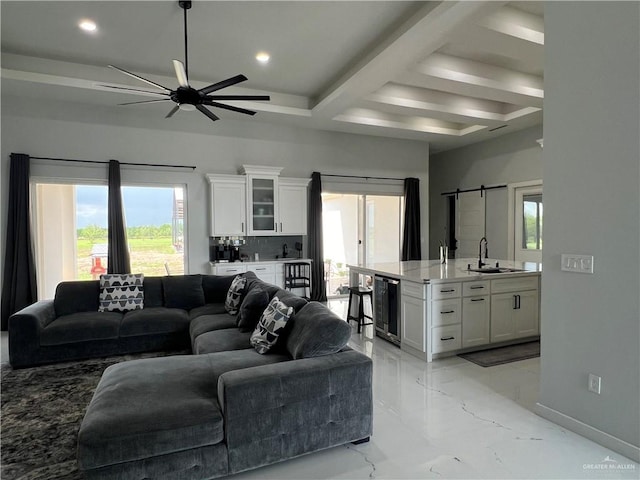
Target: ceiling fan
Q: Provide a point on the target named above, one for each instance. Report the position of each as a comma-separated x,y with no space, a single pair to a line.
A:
185,96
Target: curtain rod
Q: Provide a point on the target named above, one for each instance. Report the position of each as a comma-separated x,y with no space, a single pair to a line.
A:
480,189
366,178
121,163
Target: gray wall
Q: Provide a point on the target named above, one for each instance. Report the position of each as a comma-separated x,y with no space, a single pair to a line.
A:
49,128
591,323
511,158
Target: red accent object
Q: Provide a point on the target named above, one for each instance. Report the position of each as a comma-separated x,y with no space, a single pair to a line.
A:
97,268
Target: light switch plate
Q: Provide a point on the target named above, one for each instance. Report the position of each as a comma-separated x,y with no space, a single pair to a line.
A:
577,263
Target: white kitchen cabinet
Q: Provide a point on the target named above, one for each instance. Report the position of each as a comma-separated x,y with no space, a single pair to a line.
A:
446,315
265,272
262,202
413,323
292,206
228,205
228,268
476,313
514,314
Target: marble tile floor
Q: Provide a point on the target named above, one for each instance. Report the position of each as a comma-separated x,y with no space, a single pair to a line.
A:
451,419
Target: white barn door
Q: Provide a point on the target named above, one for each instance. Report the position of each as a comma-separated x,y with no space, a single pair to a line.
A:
470,223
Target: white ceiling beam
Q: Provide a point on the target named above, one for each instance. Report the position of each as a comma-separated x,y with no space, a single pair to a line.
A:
280,103
516,23
475,38
418,124
422,34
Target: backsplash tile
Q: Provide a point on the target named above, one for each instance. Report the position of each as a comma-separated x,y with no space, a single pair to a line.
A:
269,248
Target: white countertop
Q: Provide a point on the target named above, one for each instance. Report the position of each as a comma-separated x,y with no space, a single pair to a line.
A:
273,260
432,271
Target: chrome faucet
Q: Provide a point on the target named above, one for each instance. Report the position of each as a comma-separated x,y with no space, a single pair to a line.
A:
486,252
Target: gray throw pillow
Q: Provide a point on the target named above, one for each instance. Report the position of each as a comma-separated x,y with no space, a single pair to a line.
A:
315,330
251,308
234,295
272,323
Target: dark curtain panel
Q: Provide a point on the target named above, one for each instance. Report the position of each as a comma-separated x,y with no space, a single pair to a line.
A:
411,233
318,285
19,280
118,253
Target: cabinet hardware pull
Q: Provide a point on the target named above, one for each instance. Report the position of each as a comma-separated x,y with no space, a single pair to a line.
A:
442,339
448,311
281,226
475,287
477,299
448,291
242,227
518,301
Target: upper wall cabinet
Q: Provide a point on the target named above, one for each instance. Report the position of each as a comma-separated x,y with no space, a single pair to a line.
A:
228,205
258,203
292,206
262,199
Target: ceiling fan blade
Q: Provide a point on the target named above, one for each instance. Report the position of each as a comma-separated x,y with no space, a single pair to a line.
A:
183,81
127,89
207,112
138,77
223,84
238,97
146,101
229,107
173,110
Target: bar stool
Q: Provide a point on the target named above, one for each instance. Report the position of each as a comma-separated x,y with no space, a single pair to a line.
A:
360,292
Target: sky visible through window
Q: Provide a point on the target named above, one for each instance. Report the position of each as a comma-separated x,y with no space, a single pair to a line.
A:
143,205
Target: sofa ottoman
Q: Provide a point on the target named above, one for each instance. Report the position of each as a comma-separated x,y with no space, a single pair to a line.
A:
160,416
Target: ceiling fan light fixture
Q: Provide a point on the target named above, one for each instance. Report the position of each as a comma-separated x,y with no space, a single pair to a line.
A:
187,98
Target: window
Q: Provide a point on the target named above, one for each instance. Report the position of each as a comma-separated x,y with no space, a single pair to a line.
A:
532,222
525,221
71,231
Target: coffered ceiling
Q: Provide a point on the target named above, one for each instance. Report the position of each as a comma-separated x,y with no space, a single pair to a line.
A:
449,73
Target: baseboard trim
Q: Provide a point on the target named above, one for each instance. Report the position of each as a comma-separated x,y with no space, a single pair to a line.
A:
602,438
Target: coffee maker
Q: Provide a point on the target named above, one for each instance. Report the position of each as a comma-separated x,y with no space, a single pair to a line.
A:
224,250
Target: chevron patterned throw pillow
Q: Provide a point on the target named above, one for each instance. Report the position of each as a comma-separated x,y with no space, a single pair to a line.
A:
272,323
121,292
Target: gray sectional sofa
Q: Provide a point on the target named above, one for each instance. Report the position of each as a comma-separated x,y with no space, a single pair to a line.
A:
223,410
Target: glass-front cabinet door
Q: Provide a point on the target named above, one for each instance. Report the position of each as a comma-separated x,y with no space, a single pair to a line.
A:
263,192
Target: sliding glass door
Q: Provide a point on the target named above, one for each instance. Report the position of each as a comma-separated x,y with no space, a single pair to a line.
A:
358,229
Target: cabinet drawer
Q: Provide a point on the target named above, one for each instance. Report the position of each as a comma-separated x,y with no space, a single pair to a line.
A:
475,288
412,289
230,269
444,339
500,285
445,290
445,312
262,269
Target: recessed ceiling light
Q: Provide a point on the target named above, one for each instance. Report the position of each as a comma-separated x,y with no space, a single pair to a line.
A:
88,25
263,57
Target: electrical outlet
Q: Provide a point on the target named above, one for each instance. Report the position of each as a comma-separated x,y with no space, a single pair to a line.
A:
595,383
576,263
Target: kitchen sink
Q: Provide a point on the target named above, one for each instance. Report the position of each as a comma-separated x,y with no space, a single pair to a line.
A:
495,270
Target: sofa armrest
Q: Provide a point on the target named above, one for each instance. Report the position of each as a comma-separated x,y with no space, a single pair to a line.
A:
24,331
282,410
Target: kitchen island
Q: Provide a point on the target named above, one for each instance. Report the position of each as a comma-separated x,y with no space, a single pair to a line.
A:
446,309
